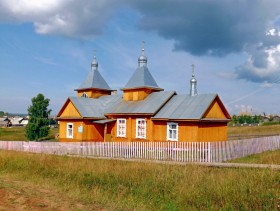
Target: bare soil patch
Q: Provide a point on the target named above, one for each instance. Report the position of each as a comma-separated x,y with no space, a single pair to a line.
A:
21,195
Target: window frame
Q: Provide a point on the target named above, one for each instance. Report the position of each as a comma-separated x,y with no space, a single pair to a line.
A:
84,95
168,128
145,128
67,130
118,128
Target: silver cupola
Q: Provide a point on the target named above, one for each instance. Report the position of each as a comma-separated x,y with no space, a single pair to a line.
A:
193,82
142,60
94,63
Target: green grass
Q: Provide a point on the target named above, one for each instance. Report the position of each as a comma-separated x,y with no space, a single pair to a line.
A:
251,131
12,134
18,134
118,185
269,157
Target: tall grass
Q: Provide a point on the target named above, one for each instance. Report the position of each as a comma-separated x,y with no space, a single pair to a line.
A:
247,131
147,186
269,157
18,134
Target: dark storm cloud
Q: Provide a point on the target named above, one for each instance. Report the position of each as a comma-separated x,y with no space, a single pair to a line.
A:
210,27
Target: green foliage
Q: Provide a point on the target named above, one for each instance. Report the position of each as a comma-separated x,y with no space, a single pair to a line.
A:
245,119
2,113
37,127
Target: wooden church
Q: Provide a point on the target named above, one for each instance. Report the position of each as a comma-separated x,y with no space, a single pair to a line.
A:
144,112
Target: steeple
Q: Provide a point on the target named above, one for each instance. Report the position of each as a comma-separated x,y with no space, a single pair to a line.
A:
94,85
193,82
141,83
142,59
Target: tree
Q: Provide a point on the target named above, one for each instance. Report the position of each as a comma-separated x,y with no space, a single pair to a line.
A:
38,112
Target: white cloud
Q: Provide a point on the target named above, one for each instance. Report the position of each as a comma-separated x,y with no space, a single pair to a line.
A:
263,65
80,19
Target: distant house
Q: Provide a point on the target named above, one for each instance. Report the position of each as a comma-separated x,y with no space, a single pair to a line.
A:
144,112
5,122
19,121
276,118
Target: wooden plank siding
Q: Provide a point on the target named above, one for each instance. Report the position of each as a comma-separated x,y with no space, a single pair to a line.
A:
136,94
70,110
90,132
131,129
212,132
93,93
215,111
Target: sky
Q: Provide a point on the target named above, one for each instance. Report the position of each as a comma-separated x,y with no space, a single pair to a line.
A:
46,46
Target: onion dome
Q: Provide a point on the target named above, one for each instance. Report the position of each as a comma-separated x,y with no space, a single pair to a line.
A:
142,60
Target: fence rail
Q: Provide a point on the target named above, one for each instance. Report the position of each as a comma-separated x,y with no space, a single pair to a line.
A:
171,151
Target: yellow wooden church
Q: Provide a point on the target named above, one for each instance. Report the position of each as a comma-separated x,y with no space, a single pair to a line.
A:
144,112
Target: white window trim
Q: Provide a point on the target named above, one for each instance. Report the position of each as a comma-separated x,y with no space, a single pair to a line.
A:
145,125
67,130
167,131
118,128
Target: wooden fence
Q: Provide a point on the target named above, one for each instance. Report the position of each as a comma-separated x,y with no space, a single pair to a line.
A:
171,151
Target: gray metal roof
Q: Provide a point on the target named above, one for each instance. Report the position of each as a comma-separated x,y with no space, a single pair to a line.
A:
94,108
186,107
104,121
141,78
150,105
94,80
114,104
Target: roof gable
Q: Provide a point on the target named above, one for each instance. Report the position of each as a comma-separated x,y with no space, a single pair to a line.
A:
141,78
69,110
216,110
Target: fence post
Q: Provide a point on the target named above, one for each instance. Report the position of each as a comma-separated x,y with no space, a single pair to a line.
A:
209,152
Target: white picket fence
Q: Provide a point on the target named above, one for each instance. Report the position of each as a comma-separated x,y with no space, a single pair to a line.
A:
170,151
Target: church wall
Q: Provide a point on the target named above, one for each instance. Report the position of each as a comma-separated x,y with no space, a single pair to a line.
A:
212,132
82,131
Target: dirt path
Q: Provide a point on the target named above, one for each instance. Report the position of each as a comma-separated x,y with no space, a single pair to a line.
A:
20,195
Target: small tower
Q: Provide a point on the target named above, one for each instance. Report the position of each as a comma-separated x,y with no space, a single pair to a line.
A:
193,82
94,86
141,83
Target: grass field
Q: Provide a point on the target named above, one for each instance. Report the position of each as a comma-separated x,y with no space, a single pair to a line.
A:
253,131
270,157
31,181
18,134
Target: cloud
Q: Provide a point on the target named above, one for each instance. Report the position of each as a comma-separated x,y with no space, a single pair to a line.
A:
199,27
80,19
262,66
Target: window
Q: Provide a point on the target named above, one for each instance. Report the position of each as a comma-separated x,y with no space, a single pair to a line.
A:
140,128
84,95
69,132
172,131
121,127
